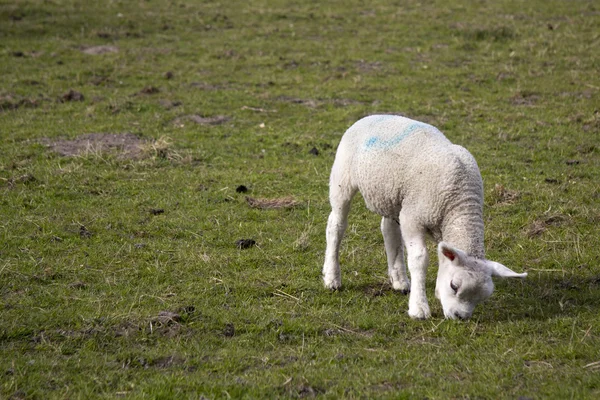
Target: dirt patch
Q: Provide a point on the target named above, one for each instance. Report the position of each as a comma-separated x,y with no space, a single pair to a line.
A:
313,103
245,243
167,361
125,145
20,180
387,386
267,204
97,50
197,119
72,95
8,102
78,285
331,332
33,54
539,226
586,148
491,34
365,66
310,391
206,86
525,99
300,391
148,90
100,80
229,330
18,395
310,103
126,329
346,102
502,195
167,318
84,233
378,290
169,104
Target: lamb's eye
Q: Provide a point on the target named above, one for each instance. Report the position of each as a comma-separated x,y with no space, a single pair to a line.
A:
453,287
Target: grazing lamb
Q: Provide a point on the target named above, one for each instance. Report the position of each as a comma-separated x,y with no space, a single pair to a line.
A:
420,183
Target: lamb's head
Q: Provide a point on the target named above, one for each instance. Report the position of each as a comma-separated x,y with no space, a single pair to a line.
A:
464,281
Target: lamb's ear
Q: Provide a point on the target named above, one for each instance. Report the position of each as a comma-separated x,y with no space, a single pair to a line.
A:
502,271
454,255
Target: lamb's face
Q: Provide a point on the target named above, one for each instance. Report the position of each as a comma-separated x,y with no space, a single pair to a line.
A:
462,282
460,290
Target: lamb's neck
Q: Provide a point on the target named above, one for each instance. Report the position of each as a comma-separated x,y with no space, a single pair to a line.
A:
464,230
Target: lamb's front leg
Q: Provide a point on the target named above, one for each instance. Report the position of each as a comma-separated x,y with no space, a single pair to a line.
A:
416,249
394,249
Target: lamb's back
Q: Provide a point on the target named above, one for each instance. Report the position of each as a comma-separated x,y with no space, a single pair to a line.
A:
398,162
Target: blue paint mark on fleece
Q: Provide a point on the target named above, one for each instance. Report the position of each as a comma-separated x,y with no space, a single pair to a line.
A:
375,142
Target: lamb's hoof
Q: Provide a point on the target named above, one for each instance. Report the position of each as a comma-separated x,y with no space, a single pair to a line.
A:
419,312
332,283
403,288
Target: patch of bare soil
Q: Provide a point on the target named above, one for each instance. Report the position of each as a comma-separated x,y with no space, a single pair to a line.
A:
168,317
96,50
539,226
84,233
365,66
376,290
21,179
33,54
388,386
126,145
503,195
100,80
72,95
205,86
168,361
197,119
8,102
267,204
312,103
345,102
243,244
169,104
525,99
148,90
229,330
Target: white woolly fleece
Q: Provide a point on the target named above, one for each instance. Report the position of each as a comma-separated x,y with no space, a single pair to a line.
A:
398,163
420,183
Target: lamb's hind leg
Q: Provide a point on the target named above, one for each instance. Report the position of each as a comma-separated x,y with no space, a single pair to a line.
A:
394,249
340,198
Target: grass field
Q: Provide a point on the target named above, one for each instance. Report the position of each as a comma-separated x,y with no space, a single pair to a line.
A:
128,128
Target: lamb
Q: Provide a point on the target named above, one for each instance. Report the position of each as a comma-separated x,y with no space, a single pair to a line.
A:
422,185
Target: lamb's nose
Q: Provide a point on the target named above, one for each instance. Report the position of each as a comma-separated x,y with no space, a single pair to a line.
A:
459,316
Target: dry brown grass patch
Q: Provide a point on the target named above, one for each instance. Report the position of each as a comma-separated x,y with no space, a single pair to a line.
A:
267,204
539,226
502,195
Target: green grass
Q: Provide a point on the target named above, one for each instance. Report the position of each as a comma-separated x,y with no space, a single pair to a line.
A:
87,269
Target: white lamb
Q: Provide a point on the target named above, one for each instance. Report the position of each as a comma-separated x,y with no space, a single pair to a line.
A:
412,175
